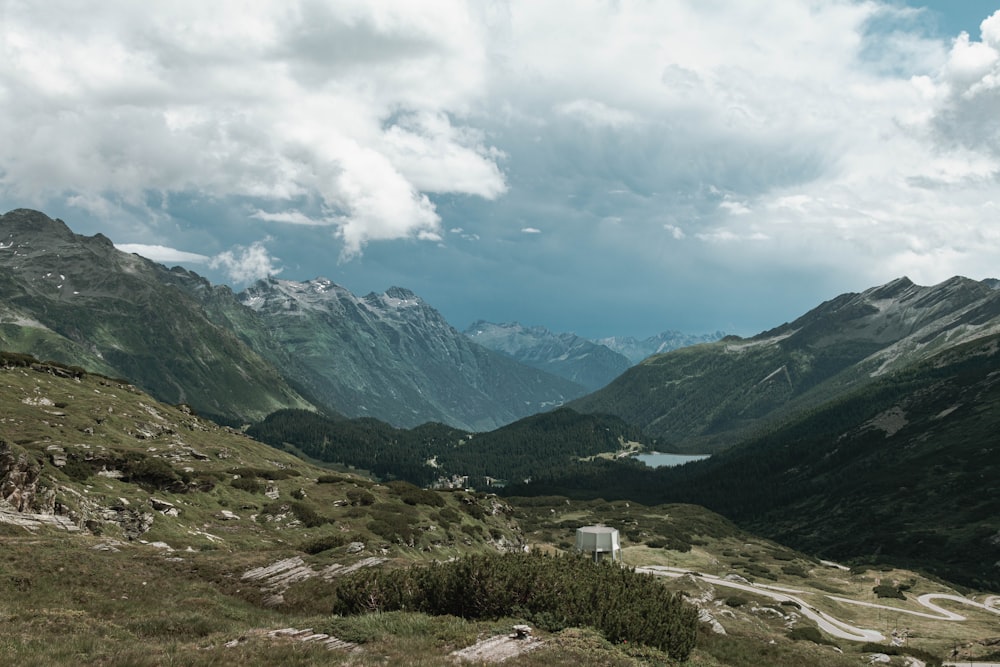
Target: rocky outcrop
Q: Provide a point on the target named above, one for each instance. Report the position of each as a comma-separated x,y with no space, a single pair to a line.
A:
19,487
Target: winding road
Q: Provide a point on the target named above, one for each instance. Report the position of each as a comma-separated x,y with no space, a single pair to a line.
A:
833,626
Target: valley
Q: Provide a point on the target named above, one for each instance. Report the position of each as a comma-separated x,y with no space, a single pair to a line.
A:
194,476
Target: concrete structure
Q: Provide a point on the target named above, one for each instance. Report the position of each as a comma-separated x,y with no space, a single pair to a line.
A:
600,541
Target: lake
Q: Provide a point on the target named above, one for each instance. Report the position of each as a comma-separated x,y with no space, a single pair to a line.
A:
658,460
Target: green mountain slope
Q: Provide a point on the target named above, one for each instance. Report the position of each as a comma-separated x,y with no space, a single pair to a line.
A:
279,344
905,469
134,532
78,300
705,398
437,454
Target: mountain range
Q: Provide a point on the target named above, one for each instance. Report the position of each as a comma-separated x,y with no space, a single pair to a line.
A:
863,430
567,355
636,350
705,398
591,363
238,357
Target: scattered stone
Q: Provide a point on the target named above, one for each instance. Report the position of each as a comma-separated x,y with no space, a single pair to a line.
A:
732,576
497,649
705,616
292,634
226,515
876,658
355,547
164,507
58,455
38,402
521,632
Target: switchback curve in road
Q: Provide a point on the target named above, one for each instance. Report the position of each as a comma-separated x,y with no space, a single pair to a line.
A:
833,626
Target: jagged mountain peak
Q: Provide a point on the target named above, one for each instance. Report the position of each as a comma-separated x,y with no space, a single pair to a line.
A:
567,355
401,294
290,296
891,290
34,223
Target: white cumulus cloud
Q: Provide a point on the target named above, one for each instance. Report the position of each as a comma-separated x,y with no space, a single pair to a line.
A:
357,105
163,254
244,265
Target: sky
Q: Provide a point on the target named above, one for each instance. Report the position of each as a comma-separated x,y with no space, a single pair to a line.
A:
596,167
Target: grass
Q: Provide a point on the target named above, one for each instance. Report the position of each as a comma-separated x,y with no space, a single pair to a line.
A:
64,602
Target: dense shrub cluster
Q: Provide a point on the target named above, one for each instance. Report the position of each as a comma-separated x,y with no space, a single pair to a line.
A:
248,484
414,495
304,512
359,497
551,592
321,544
808,633
887,591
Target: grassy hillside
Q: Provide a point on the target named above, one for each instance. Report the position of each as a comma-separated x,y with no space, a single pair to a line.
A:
134,532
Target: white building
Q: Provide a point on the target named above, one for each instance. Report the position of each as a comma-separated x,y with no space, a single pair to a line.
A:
600,541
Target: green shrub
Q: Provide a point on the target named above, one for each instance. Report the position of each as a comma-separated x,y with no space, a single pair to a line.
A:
248,484
321,544
887,591
551,592
809,633
153,473
360,497
795,570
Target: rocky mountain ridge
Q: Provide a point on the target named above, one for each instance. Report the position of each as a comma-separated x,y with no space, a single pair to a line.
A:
705,398
395,357
637,350
566,355
280,344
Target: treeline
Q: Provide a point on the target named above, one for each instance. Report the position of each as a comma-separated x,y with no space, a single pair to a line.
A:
550,592
536,445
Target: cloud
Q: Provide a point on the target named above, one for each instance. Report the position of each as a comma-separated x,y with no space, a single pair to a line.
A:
594,113
835,141
244,265
163,254
291,217
675,231
358,106
530,230
968,88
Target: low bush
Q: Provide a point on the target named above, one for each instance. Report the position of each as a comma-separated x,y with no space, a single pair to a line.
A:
809,633
887,591
795,570
359,497
552,592
248,484
325,543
